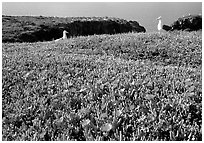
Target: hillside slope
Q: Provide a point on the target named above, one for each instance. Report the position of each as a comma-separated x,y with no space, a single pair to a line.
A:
39,28
121,87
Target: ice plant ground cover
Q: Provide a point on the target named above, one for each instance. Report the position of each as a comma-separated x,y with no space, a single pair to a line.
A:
128,87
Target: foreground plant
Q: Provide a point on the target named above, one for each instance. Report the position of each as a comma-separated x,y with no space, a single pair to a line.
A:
63,92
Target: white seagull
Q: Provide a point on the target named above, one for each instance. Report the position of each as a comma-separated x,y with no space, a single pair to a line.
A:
159,26
64,36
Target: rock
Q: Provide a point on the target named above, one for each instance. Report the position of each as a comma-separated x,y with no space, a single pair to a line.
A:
188,23
166,27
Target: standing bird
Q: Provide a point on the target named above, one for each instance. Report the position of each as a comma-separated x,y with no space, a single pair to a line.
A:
64,36
159,26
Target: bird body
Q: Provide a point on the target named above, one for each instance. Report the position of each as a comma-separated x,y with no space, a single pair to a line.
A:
64,36
58,39
159,26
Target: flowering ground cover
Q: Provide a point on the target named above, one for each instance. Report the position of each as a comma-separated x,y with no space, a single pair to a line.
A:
129,87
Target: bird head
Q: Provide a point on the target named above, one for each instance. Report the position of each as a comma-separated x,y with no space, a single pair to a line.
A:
159,18
65,31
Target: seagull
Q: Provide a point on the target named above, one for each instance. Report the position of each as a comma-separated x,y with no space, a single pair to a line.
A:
159,26
64,36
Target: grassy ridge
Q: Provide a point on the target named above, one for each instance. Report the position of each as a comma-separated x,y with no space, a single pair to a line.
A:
107,87
179,49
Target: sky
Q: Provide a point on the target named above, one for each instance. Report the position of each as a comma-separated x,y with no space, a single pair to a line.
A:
143,12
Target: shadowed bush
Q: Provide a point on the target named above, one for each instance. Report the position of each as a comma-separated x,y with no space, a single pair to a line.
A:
33,29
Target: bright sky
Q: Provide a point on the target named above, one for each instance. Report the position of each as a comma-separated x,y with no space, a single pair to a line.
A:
143,12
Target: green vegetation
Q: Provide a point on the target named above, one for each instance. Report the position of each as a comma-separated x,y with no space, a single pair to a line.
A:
39,28
104,87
